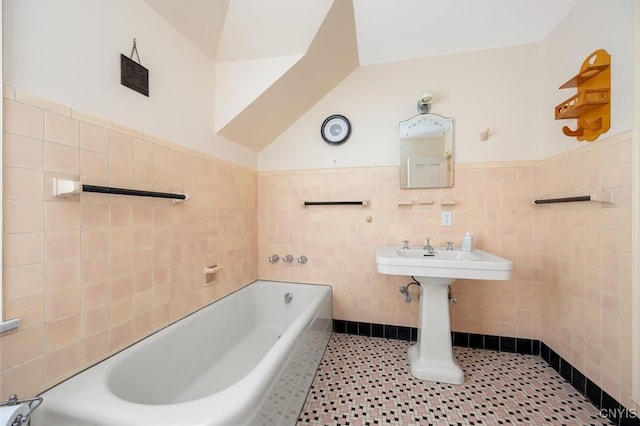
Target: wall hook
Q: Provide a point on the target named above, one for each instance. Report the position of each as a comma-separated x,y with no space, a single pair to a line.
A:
573,133
583,124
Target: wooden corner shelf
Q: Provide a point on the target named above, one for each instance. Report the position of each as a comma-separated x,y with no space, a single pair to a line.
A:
583,76
582,102
591,105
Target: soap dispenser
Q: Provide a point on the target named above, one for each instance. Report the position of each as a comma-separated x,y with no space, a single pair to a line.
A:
467,242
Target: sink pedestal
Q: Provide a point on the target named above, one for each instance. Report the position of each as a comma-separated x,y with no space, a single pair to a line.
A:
431,358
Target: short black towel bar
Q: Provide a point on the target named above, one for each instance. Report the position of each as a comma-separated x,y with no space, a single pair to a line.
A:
564,200
598,197
363,203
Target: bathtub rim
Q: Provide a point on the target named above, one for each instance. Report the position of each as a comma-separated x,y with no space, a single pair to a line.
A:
193,408
174,322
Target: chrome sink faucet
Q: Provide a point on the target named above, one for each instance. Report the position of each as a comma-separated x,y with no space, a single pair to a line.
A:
450,245
428,247
405,244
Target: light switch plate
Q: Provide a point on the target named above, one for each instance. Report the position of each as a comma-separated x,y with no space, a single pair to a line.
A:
446,218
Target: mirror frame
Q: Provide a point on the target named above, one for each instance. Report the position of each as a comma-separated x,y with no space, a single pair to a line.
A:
431,129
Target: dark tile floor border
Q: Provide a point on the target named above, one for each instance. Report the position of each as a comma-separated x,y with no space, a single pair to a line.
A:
608,406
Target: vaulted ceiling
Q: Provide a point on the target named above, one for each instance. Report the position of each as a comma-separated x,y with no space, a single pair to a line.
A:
267,52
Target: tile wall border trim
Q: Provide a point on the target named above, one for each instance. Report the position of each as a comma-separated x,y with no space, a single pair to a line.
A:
608,405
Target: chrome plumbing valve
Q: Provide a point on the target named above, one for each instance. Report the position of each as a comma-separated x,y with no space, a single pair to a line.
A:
301,260
451,297
405,291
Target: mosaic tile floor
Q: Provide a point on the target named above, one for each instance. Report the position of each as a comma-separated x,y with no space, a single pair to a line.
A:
366,381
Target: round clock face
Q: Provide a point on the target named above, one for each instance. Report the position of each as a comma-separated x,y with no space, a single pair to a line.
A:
335,129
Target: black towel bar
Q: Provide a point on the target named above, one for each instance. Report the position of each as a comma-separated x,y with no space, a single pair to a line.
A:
564,200
602,197
362,203
65,188
134,192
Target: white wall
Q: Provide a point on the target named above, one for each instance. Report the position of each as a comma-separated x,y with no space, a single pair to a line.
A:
512,91
497,89
589,26
69,52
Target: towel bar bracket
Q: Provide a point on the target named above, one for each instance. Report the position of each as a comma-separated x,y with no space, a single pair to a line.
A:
10,324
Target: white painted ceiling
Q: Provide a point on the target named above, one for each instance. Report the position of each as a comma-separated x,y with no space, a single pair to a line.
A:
389,30
249,41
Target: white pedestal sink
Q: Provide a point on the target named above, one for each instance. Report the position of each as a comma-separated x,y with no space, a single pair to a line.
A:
431,358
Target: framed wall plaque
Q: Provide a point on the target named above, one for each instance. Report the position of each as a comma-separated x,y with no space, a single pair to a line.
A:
133,74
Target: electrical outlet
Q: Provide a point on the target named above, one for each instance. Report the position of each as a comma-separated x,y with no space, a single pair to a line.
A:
446,218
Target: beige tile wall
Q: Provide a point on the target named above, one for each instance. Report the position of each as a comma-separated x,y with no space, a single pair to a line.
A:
571,284
90,274
585,263
493,201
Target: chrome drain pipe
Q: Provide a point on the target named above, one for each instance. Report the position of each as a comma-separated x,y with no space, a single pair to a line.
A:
405,291
452,300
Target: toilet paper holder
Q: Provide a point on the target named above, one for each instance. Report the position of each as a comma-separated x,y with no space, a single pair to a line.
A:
13,400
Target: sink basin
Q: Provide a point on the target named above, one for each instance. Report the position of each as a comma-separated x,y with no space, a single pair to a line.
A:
438,254
431,358
456,264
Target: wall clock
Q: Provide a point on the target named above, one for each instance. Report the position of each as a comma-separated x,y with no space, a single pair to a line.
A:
335,129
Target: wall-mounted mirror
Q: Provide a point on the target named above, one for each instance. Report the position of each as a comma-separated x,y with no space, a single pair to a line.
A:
426,152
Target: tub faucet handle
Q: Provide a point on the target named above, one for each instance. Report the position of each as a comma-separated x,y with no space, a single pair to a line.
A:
274,258
31,403
301,260
287,259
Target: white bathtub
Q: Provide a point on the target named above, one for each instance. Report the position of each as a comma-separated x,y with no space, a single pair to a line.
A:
247,359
